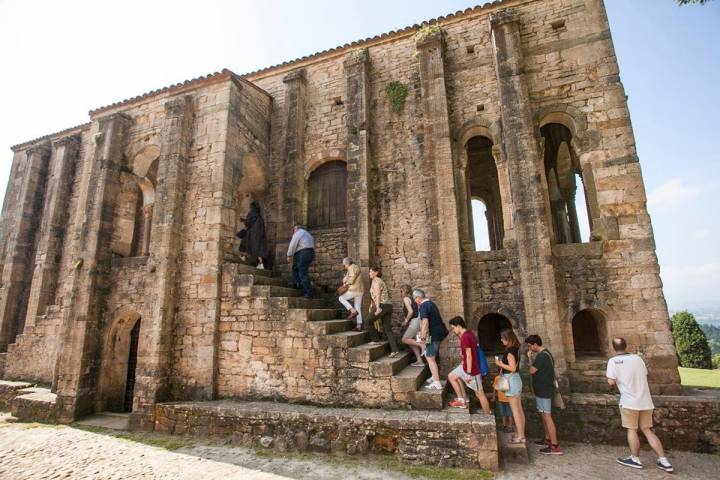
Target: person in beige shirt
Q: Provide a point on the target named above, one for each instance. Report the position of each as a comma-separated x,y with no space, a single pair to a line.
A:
380,307
353,280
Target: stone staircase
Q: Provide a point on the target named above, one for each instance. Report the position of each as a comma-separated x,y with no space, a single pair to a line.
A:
326,321
587,375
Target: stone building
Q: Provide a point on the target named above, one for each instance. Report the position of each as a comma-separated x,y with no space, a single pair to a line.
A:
120,288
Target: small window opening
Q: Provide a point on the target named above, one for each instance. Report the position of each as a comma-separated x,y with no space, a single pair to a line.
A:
470,49
489,328
480,108
557,24
588,330
338,101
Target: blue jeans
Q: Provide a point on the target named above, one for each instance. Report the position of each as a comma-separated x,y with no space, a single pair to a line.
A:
301,263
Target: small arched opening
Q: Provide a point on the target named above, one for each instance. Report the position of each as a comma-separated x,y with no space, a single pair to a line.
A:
571,218
119,363
489,328
589,333
484,195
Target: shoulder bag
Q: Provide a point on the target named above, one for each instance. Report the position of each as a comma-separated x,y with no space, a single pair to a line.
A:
557,400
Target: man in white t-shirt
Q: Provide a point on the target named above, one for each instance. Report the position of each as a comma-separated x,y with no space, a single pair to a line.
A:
628,372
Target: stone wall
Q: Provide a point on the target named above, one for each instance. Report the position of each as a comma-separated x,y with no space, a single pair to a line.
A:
682,423
326,271
435,438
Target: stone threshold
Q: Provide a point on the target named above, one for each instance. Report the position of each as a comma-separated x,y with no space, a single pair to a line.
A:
440,438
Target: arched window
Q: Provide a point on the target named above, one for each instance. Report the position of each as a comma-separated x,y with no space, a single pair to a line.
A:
489,328
566,188
484,195
589,333
327,196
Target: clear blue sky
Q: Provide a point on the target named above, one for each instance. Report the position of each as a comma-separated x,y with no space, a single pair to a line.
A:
60,59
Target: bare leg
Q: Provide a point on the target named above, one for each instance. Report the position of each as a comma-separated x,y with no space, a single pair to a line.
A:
518,416
457,386
484,403
434,371
633,441
654,441
550,431
414,347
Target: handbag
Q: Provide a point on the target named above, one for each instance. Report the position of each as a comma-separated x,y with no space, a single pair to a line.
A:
557,400
503,385
342,289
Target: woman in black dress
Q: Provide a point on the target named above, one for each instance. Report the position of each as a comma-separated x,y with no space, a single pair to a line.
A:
253,240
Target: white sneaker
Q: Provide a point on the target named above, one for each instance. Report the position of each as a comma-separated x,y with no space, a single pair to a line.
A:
435,386
429,381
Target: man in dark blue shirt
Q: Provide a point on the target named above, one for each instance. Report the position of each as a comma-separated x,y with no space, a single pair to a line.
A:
432,332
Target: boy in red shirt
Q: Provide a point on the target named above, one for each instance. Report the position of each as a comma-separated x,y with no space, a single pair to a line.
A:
468,372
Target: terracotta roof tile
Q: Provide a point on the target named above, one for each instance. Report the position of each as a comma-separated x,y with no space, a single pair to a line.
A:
28,143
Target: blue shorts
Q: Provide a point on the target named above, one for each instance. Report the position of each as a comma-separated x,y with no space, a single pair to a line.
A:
432,349
515,384
544,405
505,410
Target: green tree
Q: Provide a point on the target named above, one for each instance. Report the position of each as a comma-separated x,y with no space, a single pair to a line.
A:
690,341
716,361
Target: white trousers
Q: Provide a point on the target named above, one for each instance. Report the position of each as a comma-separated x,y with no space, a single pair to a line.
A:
357,300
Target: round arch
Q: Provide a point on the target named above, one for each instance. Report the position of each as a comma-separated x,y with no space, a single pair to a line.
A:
589,332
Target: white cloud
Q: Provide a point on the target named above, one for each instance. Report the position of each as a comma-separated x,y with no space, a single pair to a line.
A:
673,192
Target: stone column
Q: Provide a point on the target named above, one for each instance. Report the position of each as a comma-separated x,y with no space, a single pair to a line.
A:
155,347
147,212
439,150
52,231
78,362
360,239
293,180
21,230
537,273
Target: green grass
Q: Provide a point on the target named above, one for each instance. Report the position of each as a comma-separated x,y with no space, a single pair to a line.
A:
698,377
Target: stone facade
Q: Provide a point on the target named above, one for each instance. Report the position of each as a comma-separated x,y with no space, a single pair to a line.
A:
120,288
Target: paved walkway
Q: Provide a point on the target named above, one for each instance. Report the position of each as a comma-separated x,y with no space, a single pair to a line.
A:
33,451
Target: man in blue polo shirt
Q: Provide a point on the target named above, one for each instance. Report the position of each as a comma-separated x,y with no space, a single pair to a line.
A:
432,332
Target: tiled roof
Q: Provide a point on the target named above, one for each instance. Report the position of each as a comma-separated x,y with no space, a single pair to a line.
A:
383,36
50,135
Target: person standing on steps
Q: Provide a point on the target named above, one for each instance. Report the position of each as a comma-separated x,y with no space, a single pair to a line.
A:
382,308
509,364
253,240
411,320
468,372
542,369
628,372
301,252
355,290
432,332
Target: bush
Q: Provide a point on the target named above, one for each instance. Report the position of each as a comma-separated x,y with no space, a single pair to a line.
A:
716,361
690,341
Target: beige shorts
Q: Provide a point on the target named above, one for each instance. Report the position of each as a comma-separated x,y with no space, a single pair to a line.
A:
413,328
636,419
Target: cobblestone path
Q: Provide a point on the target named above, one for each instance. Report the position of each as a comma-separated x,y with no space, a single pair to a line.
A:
32,451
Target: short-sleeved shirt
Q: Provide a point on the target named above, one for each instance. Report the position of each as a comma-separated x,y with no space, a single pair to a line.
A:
515,352
543,381
630,374
430,311
469,340
380,284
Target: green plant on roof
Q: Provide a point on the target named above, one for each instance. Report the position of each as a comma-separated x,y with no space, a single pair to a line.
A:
396,93
426,31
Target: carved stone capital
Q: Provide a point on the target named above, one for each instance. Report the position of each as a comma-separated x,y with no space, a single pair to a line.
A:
118,117
42,148
501,17
294,76
357,56
177,106
69,141
429,40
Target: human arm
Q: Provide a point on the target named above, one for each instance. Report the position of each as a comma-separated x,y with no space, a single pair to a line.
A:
511,366
468,361
610,374
408,306
293,245
425,329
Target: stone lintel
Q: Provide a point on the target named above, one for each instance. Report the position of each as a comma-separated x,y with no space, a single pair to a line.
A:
502,17
295,76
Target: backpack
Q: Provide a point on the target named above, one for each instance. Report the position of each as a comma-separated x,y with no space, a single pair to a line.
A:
484,367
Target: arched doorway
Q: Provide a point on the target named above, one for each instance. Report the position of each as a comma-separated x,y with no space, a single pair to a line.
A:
119,363
484,195
589,333
489,328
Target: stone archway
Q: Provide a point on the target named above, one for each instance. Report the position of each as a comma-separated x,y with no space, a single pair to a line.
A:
488,330
589,332
119,363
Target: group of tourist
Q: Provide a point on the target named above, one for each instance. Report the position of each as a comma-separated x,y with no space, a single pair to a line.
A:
424,330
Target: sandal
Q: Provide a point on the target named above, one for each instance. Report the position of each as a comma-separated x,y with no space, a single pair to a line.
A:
394,354
517,440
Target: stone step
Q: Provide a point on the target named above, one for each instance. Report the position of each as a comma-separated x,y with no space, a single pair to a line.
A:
248,269
427,399
313,314
409,379
368,352
327,327
35,404
306,303
512,452
273,291
274,281
387,366
347,339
